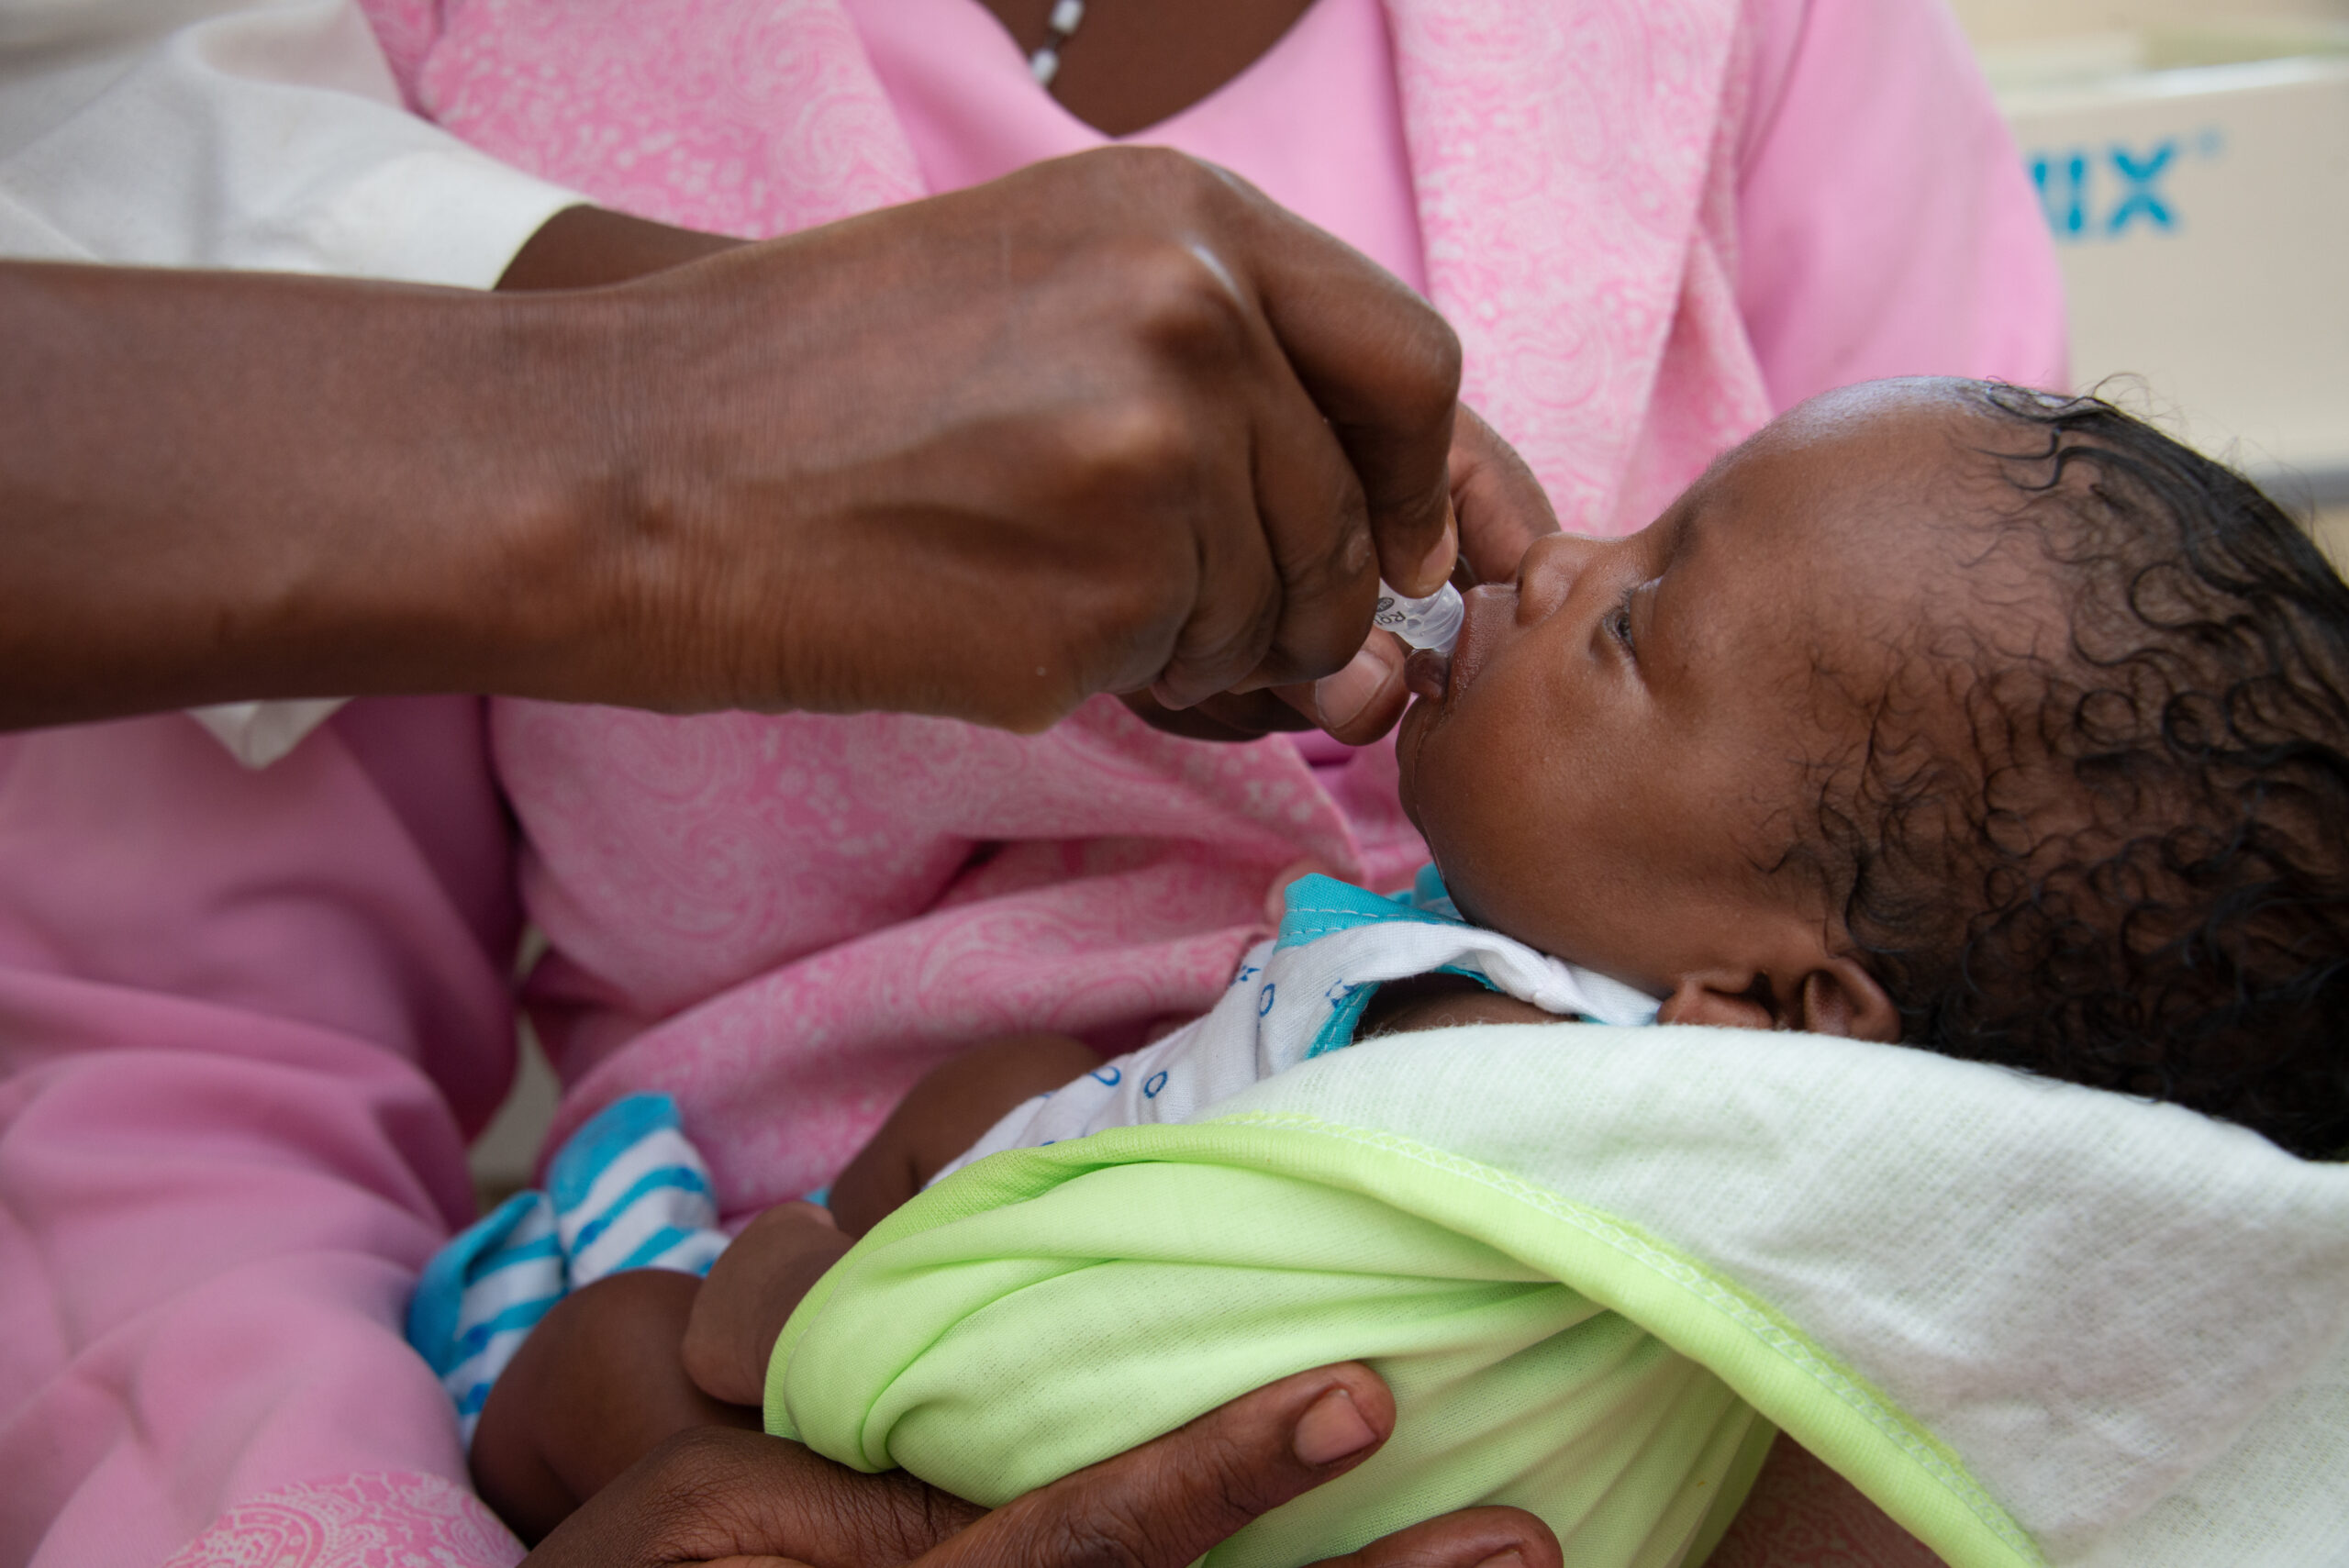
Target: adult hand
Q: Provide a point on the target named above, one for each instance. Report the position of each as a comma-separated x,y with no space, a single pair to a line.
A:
1501,509
1112,422
725,1495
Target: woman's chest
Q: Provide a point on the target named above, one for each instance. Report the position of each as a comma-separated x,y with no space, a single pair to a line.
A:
673,858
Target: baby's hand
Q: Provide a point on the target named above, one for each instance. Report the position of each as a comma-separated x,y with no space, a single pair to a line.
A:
751,1289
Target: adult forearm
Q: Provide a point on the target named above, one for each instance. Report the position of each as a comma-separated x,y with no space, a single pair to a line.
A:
1112,422
219,485
587,247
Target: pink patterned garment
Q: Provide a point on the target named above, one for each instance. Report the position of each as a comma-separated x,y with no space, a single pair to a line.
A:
247,1020
356,1521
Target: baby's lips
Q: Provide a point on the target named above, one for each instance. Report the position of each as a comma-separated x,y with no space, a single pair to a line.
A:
1428,673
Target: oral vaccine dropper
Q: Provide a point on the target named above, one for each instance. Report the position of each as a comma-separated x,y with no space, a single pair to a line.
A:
1432,623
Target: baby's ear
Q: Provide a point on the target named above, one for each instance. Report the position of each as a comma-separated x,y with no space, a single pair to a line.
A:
1839,998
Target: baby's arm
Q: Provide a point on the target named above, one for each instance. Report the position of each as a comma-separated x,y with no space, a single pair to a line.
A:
622,1364
596,1386
759,1280
635,1358
945,1114
751,1293
630,1361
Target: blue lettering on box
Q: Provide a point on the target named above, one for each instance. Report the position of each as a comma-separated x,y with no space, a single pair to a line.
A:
2140,181
2063,191
2088,195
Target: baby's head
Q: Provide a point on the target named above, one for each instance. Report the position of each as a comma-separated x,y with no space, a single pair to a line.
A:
1937,712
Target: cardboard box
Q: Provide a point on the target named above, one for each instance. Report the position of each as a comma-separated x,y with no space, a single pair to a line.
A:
2198,185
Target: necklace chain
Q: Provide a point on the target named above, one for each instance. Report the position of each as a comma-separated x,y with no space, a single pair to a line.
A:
1045,63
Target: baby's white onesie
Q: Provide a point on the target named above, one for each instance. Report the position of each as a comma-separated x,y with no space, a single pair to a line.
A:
1301,995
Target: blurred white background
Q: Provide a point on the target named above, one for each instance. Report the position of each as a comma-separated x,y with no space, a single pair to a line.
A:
2193,161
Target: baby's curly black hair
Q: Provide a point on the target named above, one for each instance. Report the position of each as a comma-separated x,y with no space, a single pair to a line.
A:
2136,877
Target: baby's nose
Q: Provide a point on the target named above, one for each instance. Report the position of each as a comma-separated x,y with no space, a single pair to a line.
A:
1547,574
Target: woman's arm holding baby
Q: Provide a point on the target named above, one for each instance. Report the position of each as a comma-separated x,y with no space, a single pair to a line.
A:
714,1495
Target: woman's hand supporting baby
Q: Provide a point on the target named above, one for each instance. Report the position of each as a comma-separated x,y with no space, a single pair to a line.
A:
714,1495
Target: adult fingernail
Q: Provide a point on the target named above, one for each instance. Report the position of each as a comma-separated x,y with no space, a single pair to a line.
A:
1436,570
1331,1428
1339,699
1512,1558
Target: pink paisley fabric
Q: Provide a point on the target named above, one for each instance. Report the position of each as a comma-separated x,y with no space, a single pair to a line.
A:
247,1020
1323,98
356,1521
783,922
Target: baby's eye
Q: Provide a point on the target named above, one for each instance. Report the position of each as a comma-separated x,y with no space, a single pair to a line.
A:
1619,623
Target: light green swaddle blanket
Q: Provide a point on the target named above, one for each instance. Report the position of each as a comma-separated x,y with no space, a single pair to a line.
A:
2035,1323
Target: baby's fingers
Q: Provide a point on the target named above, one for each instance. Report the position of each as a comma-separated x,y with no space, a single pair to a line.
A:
749,1295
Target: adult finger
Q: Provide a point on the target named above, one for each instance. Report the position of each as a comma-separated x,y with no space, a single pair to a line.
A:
1164,1504
728,1496
1502,509
1501,505
718,1493
1228,716
1361,702
1310,500
1306,538
1473,1538
1380,365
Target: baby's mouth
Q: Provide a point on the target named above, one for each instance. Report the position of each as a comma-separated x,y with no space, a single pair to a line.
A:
1428,673
1441,676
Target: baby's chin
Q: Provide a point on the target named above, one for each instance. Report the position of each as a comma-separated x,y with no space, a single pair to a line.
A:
1409,736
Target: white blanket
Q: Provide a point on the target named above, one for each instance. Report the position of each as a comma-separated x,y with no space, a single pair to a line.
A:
2118,1325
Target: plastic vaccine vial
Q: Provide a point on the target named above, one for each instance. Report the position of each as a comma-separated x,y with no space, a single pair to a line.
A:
1432,622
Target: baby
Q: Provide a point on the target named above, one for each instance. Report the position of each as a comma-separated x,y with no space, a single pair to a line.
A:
1940,713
